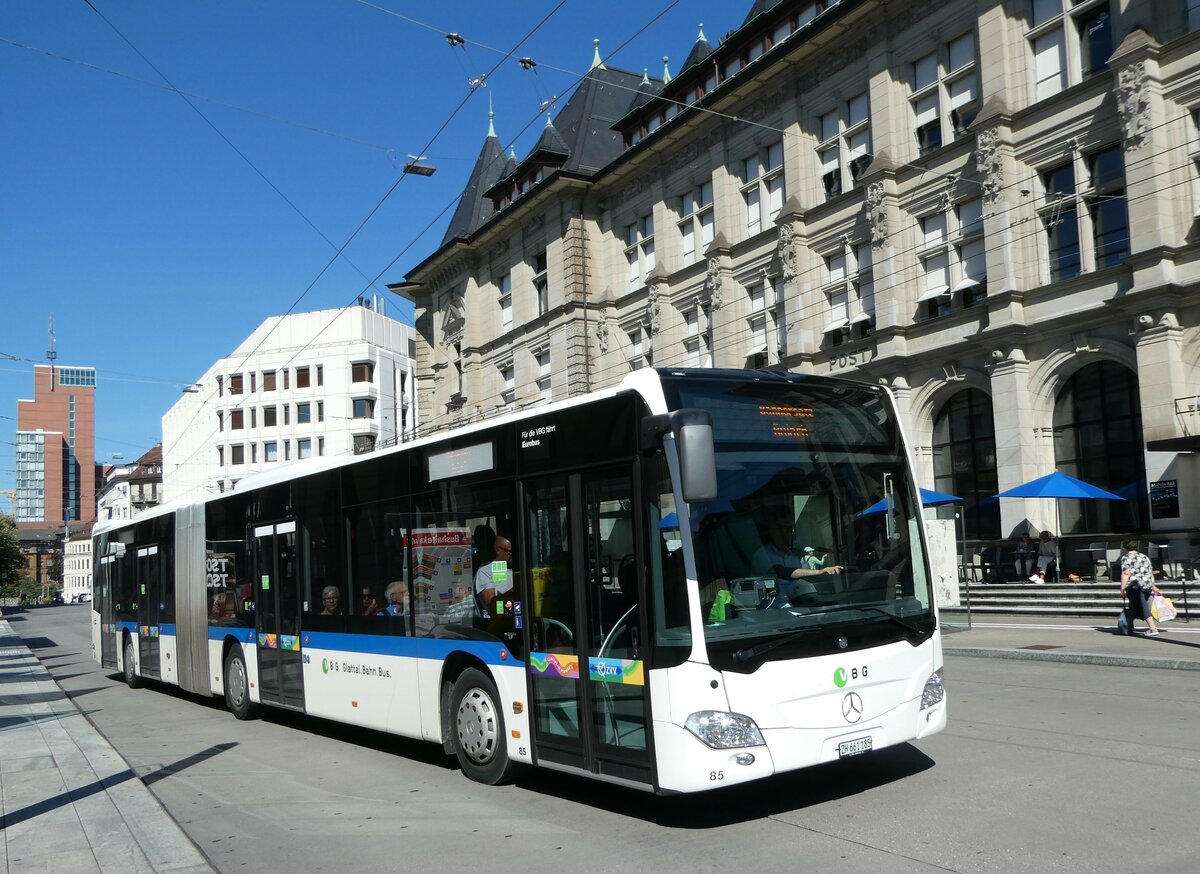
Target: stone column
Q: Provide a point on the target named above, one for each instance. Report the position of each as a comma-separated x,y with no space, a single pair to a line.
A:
1014,422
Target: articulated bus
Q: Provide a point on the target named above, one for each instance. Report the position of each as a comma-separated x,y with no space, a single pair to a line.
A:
695,579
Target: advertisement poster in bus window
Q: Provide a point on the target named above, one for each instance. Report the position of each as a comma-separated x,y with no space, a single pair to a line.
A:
227,595
442,566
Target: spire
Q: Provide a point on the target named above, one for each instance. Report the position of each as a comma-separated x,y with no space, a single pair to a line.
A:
666,69
491,115
700,50
645,75
474,207
597,64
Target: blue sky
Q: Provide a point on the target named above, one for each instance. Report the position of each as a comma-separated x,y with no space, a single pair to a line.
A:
157,248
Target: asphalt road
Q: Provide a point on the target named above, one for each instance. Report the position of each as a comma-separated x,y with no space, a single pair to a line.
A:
1044,768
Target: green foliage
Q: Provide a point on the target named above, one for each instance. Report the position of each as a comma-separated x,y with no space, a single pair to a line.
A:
12,562
29,591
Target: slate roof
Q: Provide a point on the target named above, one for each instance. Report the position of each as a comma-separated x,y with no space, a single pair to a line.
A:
700,50
760,7
473,207
585,123
581,139
646,92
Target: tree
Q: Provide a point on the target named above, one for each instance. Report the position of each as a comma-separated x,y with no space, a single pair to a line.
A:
12,561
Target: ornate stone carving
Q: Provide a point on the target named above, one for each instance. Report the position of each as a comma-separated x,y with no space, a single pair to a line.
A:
759,109
1133,101
689,151
990,163
877,215
602,329
788,256
653,310
454,318
534,223
713,281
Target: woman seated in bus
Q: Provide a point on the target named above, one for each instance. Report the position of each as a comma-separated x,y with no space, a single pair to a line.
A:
777,557
331,601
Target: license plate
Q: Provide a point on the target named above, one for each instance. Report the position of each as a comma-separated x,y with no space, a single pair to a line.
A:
854,747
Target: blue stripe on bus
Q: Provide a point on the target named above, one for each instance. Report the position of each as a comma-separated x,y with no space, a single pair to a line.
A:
488,652
167,630
220,632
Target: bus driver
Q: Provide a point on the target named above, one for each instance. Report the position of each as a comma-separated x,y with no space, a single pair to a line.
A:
777,558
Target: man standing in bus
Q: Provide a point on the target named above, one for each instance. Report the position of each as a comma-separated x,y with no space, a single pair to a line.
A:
777,558
494,579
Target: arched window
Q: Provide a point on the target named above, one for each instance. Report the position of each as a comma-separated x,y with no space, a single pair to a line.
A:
964,461
1098,439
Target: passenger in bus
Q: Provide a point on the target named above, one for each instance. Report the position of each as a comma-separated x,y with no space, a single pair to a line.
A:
396,596
331,601
777,557
494,578
462,607
370,603
221,610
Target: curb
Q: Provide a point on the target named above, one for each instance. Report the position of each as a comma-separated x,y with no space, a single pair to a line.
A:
1075,658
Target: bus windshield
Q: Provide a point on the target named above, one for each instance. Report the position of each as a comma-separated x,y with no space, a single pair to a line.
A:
815,531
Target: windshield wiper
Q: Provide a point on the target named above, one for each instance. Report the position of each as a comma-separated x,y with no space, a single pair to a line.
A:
871,608
903,623
751,652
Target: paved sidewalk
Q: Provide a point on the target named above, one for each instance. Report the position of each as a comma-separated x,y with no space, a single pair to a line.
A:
1082,641
68,801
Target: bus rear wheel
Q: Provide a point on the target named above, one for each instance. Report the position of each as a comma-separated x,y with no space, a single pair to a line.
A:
237,686
480,741
132,680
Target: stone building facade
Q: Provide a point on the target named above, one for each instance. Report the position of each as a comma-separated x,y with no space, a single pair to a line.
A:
989,207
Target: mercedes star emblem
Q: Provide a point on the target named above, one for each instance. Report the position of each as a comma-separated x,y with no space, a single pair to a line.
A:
852,707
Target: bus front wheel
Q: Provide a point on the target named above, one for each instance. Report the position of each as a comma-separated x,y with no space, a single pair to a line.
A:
479,735
132,680
237,686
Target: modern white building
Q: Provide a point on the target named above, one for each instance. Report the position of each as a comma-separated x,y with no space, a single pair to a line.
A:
332,382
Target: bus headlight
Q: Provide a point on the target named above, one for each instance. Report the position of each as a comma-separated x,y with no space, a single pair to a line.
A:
934,693
723,731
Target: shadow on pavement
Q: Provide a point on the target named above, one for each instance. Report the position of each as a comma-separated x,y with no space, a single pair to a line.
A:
71,796
721,807
39,642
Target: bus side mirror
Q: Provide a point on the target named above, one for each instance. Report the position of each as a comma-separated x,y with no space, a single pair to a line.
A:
697,458
694,442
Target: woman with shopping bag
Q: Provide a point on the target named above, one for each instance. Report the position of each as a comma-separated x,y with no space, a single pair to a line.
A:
1162,608
1137,583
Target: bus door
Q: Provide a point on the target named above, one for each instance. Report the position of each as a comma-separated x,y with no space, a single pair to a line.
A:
102,600
149,597
278,601
585,630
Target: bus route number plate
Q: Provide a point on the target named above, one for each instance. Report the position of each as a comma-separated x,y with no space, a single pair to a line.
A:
854,747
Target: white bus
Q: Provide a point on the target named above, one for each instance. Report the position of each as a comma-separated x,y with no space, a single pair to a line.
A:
696,579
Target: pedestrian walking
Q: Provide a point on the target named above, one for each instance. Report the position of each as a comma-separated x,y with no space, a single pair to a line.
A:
1137,584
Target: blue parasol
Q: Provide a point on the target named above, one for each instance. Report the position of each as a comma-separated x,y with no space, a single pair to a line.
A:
1059,485
929,498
